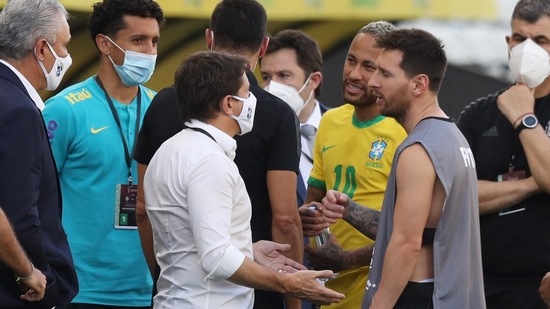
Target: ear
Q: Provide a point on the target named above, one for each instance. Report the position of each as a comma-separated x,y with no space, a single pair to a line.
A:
507,38
421,84
209,38
263,47
40,48
316,79
102,44
226,105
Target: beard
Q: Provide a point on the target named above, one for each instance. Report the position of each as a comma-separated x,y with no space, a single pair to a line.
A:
397,109
368,99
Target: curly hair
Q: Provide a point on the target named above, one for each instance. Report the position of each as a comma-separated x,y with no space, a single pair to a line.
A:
107,16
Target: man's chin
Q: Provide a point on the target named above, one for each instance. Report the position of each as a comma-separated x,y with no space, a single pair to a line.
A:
361,102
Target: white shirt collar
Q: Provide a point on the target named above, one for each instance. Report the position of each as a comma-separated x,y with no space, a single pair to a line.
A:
315,116
30,89
226,142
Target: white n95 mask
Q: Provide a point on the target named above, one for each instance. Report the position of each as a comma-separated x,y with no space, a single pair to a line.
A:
289,94
529,63
246,117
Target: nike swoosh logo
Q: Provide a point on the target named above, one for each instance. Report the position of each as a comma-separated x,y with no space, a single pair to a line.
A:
325,148
95,131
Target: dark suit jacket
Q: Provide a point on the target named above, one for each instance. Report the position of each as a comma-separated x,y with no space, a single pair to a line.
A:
29,195
302,189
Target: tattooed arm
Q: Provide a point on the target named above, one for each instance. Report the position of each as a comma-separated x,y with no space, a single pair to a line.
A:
332,256
338,205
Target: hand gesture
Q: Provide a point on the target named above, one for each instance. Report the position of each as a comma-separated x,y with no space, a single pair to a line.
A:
304,285
313,221
335,205
268,254
329,256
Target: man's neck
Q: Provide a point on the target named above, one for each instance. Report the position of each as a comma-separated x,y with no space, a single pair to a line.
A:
307,111
252,57
113,85
419,111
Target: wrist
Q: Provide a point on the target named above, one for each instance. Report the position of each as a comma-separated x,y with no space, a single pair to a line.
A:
20,278
518,120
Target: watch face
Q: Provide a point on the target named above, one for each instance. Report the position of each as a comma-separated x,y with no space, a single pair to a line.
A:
530,121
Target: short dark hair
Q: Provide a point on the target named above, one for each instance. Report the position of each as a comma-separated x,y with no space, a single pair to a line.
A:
422,53
107,16
308,53
203,79
239,25
531,10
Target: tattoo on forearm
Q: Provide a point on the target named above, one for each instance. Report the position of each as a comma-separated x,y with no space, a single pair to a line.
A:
363,219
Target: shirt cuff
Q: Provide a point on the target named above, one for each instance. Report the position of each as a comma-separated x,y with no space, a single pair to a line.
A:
228,265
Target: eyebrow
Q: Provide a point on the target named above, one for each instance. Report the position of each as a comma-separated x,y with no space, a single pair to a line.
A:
517,36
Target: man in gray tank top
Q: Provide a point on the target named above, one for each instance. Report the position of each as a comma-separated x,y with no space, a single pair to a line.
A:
427,252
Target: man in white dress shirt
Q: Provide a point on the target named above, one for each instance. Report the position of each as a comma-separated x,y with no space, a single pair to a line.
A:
198,204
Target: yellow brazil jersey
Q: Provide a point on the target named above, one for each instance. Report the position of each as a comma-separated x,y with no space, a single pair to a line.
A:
355,158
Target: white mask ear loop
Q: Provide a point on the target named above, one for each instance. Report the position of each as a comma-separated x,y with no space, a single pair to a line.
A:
309,98
305,84
310,94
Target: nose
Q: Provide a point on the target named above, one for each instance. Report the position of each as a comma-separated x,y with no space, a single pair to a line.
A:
373,82
355,73
152,48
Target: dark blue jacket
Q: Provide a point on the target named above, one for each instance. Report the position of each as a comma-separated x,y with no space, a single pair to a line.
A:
30,197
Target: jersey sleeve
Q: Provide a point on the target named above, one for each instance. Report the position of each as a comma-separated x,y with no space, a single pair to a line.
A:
316,177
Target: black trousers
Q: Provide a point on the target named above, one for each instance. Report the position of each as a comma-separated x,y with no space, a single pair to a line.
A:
416,296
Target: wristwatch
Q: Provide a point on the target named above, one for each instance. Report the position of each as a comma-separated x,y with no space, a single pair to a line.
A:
529,121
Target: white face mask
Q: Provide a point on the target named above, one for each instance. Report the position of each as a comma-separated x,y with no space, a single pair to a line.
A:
246,117
289,94
137,68
529,63
60,66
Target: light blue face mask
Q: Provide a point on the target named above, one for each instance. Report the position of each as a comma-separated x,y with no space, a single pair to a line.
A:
137,67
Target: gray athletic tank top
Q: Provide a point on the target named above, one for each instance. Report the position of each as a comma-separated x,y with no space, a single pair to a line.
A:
458,279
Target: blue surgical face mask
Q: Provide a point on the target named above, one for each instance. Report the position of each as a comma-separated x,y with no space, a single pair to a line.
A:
137,67
246,117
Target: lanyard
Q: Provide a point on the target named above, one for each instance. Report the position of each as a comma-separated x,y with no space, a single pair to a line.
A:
117,120
201,131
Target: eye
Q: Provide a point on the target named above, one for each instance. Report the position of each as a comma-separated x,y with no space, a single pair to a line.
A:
283,76
265,78
371,67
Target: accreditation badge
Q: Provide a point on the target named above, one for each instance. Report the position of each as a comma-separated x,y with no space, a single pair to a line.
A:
125,206
511,175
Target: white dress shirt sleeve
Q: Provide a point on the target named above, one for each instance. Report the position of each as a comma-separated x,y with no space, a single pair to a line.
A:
213,209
